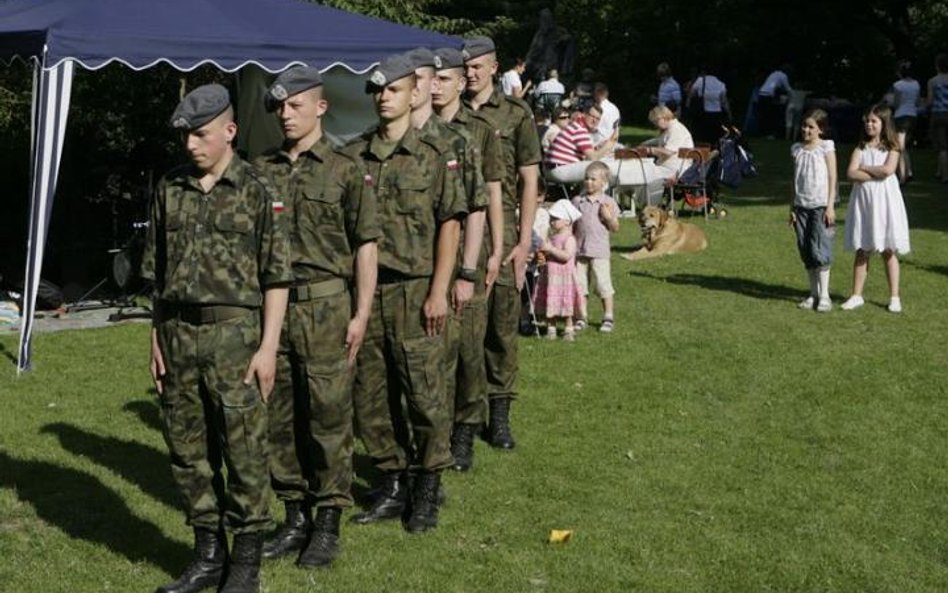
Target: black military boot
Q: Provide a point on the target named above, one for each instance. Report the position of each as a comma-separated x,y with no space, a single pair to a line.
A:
462,446
498,432
207,568
324,542
424,503
293,534
388,504
243,571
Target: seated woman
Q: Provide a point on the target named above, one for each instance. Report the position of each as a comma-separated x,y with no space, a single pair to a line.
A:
673,135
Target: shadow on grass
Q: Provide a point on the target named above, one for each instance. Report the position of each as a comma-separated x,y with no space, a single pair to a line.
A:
934,269
140,464
741,286
7,354
85,508
147,411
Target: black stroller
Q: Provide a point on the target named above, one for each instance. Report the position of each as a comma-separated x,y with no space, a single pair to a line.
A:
698,187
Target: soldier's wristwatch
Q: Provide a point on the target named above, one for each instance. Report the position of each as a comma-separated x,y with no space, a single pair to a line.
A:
468,274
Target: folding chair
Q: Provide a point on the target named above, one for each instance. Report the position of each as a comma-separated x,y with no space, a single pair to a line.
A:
691,184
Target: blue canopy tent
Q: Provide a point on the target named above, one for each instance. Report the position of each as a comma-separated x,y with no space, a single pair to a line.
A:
57,35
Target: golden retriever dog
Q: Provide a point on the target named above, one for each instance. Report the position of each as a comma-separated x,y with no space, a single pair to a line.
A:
663,234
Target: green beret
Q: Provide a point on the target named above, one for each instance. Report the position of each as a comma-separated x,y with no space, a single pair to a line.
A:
391,69
291,82
424,57
450,58
200,106
477,47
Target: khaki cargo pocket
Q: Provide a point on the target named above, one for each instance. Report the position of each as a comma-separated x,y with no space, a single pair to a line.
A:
424,357
245,422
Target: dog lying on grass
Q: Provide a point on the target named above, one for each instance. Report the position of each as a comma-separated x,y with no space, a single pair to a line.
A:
663,234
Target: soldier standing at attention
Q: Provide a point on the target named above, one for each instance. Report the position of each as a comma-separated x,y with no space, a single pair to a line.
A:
420,201
456,143
513,121
217,251
479,266
334,227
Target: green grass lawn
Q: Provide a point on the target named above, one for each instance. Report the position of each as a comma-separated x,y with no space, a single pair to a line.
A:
720,440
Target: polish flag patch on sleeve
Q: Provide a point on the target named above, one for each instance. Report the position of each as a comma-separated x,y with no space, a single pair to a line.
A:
367,179
278,206
453,165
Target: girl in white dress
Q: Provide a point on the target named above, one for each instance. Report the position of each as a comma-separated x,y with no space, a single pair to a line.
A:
876,219
813,215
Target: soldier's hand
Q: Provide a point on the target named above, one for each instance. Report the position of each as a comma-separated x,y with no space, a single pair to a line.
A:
157,362
518,258
355,334
436,311
493,271
263,367
462,292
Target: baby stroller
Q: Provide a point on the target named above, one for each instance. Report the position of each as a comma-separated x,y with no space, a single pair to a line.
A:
529,325
698,187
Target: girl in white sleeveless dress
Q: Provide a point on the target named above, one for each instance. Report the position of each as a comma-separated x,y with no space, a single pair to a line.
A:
876,220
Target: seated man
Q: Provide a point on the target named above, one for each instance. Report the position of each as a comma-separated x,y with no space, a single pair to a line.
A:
575,144
609,121
672,135
550,92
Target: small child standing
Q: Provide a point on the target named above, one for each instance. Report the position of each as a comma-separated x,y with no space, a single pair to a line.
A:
558,295
600,216
812,215
876,218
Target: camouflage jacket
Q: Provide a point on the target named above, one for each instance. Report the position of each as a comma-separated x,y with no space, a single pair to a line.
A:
418,187
223,247
468,156
331,209
513,124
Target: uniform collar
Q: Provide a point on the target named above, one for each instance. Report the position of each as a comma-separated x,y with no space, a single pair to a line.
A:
319,151
233,175
408,144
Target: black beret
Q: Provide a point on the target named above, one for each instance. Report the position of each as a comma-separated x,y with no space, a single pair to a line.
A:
477,47
424,57
200,106
450,58
391,69
291,82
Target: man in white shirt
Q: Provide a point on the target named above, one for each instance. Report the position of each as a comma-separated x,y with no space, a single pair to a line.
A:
550,92
610,113
510,82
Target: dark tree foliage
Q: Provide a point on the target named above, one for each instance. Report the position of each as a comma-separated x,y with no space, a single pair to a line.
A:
118,135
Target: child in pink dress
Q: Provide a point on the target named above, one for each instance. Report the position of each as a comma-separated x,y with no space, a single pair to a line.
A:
558,292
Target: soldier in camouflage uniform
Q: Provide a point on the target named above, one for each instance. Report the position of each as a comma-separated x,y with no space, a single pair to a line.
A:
217,251
467,377
513,122
333,230
420,202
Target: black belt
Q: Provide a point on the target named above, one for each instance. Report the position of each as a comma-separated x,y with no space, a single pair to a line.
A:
309,292
201,314
391,277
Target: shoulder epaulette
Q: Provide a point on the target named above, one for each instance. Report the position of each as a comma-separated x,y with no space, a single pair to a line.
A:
520,103
442,145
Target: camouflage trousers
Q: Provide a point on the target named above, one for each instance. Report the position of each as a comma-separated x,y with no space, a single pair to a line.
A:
210,417
402,410
500,343
310,410
465,373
